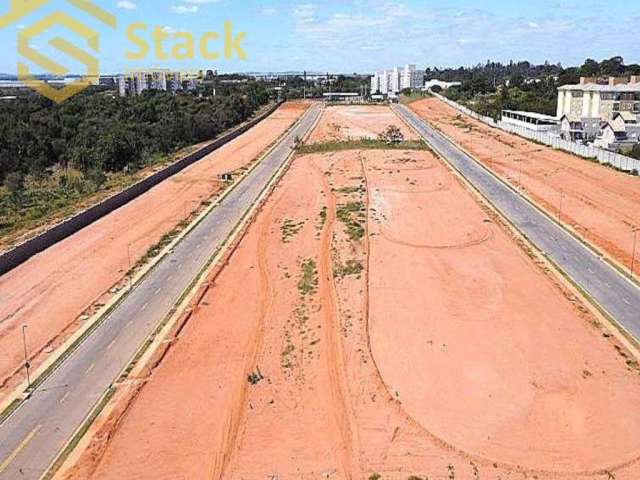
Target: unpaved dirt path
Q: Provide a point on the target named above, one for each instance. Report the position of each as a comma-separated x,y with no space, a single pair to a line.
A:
335,358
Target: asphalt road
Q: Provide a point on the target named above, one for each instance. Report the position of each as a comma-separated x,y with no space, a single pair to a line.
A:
31,438
613,292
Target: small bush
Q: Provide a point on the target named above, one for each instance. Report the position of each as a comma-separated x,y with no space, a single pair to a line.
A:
392,135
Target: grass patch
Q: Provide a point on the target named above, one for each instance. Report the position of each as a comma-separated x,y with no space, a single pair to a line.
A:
290,229
350,190
413,97
322,218
361,144
9,410
308,282
352,267
353,216
80,433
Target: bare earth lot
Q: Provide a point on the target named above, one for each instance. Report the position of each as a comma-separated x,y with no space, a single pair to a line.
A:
356,122
51,291
376,319
601,204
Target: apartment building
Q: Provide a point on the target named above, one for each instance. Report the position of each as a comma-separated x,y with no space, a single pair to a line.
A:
375,83
594,98
163,80
392,82
411,78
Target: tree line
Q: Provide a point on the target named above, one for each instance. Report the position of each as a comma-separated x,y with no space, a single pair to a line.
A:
493,87
97,132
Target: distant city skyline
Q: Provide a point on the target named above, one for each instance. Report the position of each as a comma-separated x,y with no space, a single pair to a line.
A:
357,36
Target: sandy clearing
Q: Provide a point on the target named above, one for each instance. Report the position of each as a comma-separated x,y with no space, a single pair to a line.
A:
601,204
277,333
459,333
355,122
436,358
51,290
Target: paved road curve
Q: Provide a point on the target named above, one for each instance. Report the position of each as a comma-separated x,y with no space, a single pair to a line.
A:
615,293
31,438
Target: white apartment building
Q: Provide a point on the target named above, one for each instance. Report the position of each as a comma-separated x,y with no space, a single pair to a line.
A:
162,80
392,82
411,78
375,83
394,86
385,78
140,82
594,99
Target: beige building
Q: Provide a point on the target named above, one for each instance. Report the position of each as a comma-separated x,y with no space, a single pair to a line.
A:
592,98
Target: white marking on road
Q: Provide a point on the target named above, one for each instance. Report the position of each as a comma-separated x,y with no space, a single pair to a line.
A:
19,448
64,397
89,369
158,290
111,344
626,301
130,323
144,307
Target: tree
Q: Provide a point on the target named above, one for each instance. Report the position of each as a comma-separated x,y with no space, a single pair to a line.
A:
635,151
392,135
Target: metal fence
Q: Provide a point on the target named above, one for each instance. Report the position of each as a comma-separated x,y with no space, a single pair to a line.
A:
620,162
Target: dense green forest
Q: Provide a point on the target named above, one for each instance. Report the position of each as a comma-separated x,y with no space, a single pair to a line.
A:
52,156
490,88
97,131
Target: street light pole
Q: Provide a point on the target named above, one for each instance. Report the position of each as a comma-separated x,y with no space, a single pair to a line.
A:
130,273
633,255
26,356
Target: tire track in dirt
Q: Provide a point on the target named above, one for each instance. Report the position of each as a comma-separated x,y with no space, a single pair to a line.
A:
423,430
236,419
485,237
340,396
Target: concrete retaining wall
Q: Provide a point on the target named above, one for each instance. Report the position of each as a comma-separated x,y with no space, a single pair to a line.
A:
621,162
21,253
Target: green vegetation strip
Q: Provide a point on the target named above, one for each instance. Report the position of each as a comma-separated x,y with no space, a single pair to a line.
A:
362,144
352,214
309,279
79,434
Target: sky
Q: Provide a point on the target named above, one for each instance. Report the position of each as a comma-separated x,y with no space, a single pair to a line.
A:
350,35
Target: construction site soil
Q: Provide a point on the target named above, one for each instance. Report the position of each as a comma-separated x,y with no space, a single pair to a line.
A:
376,319
55,292
599,203
357,122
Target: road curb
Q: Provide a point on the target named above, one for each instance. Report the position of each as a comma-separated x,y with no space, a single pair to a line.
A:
153,350
618,265
615,327
21,393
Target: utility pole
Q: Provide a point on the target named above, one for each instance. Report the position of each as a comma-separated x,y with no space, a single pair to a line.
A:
633,255
26,356
130,273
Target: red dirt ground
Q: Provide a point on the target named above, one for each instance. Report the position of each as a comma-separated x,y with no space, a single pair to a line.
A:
420,347
355,122
51,290
461,338
601,204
